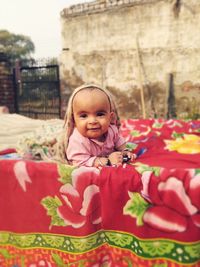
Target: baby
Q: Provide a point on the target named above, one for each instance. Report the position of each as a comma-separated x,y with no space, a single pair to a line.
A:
92,134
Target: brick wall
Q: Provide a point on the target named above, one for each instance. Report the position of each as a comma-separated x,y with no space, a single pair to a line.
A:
6,84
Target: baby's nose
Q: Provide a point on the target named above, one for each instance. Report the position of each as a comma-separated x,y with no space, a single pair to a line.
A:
92,119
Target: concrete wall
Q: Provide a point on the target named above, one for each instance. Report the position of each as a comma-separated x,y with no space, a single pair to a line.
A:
131,46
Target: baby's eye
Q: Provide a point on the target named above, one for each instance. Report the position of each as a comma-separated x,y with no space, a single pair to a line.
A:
100,114
83,116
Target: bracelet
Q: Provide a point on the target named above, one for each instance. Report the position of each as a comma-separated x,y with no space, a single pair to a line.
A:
108,163
99,161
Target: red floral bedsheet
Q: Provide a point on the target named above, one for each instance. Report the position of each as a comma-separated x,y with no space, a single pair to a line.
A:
145,213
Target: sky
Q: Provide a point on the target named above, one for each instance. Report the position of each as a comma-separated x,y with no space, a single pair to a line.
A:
38,19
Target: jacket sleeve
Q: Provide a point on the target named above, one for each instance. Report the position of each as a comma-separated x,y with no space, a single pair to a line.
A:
78,153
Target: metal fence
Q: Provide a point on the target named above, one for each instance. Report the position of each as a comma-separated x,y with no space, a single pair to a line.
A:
38,90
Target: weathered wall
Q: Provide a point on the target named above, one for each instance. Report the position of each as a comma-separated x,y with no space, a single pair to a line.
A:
129,45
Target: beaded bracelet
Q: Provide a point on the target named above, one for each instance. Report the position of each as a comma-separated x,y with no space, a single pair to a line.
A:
108,163
99,161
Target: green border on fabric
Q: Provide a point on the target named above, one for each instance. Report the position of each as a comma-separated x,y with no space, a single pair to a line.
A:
185,253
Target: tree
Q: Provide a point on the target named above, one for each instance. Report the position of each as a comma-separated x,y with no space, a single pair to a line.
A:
16,46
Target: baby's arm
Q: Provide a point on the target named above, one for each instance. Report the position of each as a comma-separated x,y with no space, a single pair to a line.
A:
101,161
115,158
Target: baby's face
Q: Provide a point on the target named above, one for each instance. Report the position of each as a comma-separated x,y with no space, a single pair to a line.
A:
92,113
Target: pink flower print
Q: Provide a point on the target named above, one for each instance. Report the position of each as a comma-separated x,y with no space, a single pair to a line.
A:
21,174
194,190
196,219
81,199
106,261
175,198
165,219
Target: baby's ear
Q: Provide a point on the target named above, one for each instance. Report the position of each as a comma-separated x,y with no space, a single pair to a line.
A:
112,117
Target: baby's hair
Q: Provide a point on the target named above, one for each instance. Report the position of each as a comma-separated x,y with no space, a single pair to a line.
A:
69,119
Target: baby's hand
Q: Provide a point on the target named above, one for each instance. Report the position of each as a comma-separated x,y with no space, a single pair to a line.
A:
116,158
128,156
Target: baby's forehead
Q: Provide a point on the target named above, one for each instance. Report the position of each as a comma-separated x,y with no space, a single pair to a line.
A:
91,100
90,93
90,90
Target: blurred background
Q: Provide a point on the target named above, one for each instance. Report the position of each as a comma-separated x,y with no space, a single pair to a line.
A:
144,52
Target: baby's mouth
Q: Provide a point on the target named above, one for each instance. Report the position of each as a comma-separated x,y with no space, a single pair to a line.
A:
94,129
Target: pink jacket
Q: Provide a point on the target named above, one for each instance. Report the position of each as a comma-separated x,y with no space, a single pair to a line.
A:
83,151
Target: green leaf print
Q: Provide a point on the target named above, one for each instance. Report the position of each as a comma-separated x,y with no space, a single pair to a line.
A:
57,221
135,133
54,241
4,237
51,204
5,253
58,260
197,171
25,240
84,244
141,168
156,248
177,135
157,125
119,239
65,172
130,146
193,250
136,207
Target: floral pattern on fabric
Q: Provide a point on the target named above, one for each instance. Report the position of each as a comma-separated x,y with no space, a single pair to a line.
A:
79,200
186,144
135,130
104,248
169,200
21,174
145,213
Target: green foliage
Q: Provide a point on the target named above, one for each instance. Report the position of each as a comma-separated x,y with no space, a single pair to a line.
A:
54,241
193,251
142,168
58,260
118,239
136,207
25,241
51,204
155,248
16,46
5,253
65,172
84,244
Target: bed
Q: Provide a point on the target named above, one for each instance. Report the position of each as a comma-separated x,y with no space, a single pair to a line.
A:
143,213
